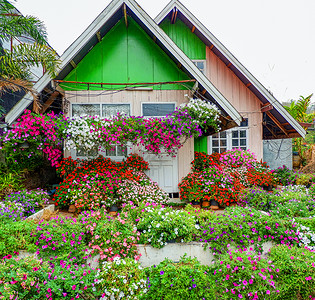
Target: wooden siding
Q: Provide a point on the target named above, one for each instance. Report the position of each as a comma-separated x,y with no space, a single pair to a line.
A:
135,98
240,97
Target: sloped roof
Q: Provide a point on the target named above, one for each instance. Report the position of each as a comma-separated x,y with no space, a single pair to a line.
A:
100,26
276,113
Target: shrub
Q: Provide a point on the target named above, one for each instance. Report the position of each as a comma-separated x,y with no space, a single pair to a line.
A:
187,279
121,279
30,200
136,162
191,188
204,161
295,270
139,188
60,237
17,236
284,176
159,225
111,237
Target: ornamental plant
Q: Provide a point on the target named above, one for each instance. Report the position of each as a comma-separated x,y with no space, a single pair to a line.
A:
31,201
295,271
284,176
59,237
243,274
244,227
187,279
237,157
204,161
191,187
159,225
41,134
110,237
203,114
139,188
21,278
136,162
221,185
121,279
68,279
16,236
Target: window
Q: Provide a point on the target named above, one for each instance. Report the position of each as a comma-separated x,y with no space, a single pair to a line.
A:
86,109
230,139
157,109
201,65
103,110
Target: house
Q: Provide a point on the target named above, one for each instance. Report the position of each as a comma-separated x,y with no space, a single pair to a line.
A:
127,62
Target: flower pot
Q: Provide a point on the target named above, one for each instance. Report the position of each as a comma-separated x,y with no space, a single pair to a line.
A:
196,204
113,210
72,208
205,203
113,213
214,205
114,207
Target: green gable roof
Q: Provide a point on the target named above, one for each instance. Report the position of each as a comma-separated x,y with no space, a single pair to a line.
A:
186,40
126,54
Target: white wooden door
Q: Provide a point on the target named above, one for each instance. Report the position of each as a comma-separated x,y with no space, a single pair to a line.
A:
164,171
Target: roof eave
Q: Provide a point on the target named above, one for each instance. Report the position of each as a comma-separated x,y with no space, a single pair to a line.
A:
213,40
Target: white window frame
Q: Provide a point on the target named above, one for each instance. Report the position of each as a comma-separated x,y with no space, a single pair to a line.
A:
204,71
103,151
229,139
175,104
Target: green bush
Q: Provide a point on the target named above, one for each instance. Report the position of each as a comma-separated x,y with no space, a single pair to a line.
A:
187,279
295,272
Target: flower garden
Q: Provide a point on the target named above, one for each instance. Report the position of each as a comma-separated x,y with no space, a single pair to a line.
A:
260,205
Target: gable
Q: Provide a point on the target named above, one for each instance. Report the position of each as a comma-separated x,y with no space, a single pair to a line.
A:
184,38
126,54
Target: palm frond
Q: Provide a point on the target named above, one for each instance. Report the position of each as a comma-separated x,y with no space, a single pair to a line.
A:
13,24
17,85
18,62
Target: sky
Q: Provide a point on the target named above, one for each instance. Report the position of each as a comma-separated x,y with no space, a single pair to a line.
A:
273,39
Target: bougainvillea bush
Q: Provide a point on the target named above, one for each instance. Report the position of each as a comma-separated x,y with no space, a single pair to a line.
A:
221,177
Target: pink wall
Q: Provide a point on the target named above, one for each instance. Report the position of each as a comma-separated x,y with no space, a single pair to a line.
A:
240,97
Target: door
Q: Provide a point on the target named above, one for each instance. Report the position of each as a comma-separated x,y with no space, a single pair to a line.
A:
164,171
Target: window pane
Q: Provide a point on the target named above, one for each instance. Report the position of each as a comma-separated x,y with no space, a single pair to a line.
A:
223,143
157,109
222,150
111,152
244,123
215,143
243,148
81,152
234,134
243,142
234,143
215,150
223,134
86,109
215,136
121,150
109,110
242,133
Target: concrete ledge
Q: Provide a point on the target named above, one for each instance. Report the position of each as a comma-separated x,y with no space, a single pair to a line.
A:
40,213
153,256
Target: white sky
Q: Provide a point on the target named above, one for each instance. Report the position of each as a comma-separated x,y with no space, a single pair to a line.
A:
273,39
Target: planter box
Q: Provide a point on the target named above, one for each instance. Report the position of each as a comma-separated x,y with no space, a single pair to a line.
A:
40,213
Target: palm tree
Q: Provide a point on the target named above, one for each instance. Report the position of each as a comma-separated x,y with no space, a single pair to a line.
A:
16,64
298,109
